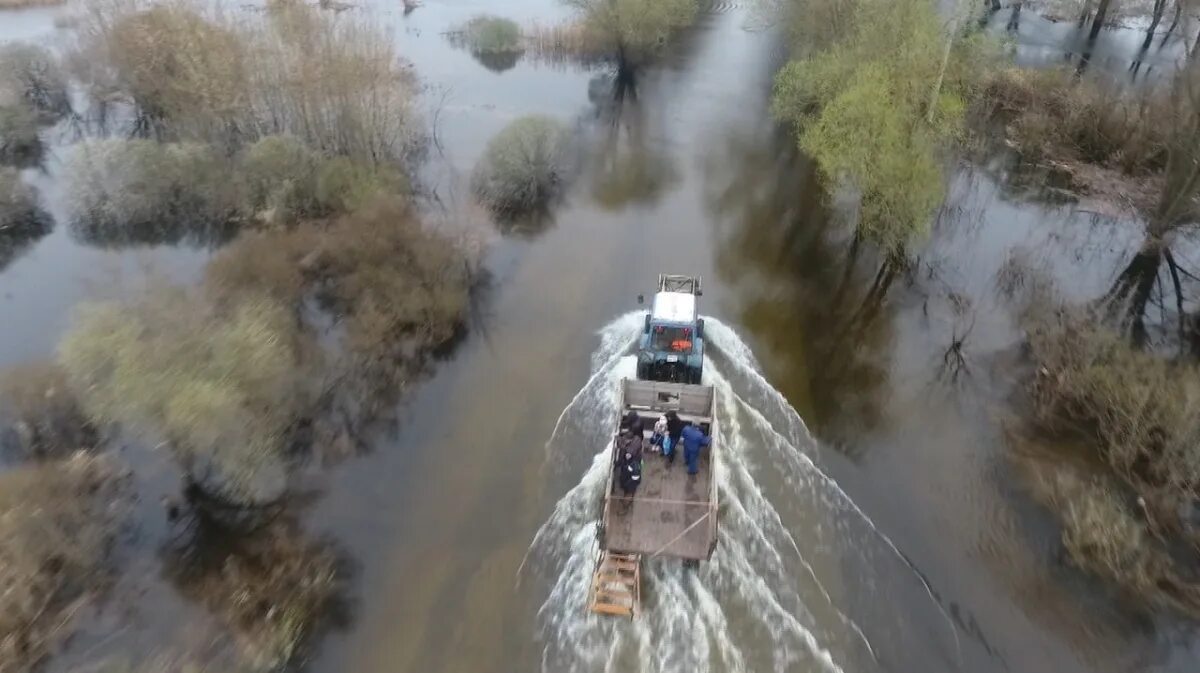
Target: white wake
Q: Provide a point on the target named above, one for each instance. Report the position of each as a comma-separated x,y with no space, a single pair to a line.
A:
771,597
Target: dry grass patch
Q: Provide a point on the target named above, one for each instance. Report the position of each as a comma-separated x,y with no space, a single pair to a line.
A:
1054,115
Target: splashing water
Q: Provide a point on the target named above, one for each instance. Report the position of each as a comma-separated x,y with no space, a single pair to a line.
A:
769,598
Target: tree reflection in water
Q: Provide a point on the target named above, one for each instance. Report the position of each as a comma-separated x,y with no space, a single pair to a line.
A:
628,165
812,297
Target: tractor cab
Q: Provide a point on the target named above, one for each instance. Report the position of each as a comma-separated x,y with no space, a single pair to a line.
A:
671,348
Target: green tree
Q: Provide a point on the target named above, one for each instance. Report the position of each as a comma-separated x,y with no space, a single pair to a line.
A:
876,109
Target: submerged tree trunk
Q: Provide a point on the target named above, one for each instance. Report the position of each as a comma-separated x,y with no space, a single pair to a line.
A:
1155,18
1174,23
1014,18
1126,301
1098,21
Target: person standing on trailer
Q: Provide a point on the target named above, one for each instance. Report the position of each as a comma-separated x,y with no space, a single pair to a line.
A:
693,439
629,454
674,430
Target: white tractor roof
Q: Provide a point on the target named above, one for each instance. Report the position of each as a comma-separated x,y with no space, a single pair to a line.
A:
674,307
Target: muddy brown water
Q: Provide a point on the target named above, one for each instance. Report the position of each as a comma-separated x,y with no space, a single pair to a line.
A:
909,543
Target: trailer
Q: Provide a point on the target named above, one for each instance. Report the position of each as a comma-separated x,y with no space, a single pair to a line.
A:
673,514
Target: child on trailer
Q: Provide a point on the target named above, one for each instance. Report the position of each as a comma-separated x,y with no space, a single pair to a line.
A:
660,434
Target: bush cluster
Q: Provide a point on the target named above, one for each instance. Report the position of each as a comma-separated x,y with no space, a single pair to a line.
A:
219,386
524,167
57,520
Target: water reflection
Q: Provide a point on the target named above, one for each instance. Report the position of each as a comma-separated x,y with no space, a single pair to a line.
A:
628,165
18,235
813,297
273,587
167,230
498,62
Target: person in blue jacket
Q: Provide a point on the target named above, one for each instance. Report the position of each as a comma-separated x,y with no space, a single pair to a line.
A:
693,438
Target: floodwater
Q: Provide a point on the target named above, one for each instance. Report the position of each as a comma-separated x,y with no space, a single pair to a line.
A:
873,517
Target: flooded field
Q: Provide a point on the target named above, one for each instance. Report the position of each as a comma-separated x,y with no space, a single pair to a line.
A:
872,518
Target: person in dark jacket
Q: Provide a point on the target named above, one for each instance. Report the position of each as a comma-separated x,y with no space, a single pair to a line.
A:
631,477
674,430
629,458
693,439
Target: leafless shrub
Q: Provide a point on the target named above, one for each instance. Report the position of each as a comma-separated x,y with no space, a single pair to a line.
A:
220,386
40,415
334,82
178,66
57,520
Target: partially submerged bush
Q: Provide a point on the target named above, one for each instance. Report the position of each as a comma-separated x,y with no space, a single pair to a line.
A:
1053,114
39,413
141,191
400,291
178,66
635,29
18,206
22,221
220,386
279,180
865,111
492,35
272,587
1142,410
335,83
524,167
19,139
345,185
29,75
575,41
16,4
57,521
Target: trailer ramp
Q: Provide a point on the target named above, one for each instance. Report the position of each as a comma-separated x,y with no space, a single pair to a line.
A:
616,585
